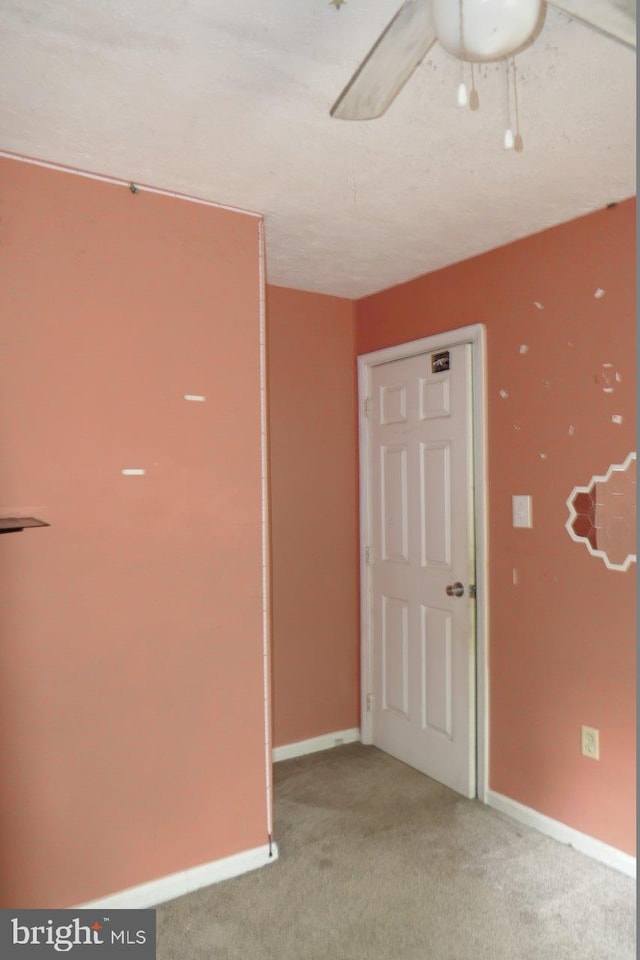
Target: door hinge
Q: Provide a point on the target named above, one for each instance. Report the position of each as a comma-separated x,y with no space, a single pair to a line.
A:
366,406
370,702
472,591
368,556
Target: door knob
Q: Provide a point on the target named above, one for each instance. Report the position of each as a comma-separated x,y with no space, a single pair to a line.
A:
455,589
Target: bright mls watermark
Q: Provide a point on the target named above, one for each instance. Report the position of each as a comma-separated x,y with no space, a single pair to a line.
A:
80,933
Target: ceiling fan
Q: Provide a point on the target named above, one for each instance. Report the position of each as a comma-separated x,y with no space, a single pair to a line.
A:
472,30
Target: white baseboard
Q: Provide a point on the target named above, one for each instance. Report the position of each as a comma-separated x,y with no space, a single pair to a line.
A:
185,881
593,848
315,744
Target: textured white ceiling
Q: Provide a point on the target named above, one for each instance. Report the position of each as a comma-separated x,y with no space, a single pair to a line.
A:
229,101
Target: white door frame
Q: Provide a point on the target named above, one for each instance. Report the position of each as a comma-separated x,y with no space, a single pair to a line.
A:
476,336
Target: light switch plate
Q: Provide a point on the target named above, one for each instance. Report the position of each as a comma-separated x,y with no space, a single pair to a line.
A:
522,511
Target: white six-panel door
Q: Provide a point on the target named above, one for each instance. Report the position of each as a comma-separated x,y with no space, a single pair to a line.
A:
420,477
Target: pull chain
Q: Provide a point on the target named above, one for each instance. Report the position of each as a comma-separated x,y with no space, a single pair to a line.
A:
463,96
518,144
474,99
508,136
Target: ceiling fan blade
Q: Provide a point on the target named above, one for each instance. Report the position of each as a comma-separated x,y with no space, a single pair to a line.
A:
389,64
614,18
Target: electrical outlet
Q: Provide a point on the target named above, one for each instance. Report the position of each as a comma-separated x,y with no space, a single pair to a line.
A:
591,743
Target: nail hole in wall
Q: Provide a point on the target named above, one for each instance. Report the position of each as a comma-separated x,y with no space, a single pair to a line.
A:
607,377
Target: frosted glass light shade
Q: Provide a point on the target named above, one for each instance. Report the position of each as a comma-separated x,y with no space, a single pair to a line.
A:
493,29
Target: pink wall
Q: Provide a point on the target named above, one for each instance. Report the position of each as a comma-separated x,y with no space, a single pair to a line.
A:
562,642
132,736
313,514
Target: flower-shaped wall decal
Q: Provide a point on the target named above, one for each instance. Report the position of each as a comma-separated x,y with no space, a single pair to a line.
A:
602,515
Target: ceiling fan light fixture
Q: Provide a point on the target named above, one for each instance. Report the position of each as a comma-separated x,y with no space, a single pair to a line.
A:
473,31
488,29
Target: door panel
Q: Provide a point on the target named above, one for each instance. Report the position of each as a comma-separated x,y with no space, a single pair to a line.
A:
393,405
394,521
421,494
435,504
437,696
434,398
395,656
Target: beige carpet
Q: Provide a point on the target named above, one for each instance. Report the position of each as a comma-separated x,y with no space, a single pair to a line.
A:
378,862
